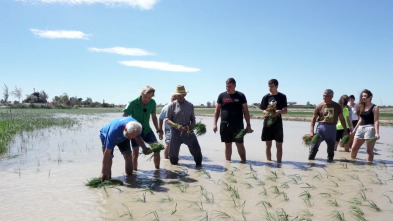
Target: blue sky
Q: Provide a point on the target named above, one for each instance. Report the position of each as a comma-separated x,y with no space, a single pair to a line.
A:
110,49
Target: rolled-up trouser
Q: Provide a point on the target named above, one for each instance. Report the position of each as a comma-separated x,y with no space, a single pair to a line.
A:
328,134
190,140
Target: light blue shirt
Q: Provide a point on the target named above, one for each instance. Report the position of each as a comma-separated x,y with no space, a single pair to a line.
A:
162,116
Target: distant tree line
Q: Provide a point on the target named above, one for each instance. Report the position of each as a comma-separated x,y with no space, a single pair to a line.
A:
40,98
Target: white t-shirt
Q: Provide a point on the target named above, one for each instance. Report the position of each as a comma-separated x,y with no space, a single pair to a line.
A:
354,115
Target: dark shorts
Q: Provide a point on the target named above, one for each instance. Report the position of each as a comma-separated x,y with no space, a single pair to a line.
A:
340,134
228,133
124,147
273,133
148,138
354,122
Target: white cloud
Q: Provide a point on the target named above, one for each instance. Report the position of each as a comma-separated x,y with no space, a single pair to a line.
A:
142,4
68,34
163,66
122,51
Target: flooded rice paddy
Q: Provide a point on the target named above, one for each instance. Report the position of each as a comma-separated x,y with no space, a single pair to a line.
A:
45,171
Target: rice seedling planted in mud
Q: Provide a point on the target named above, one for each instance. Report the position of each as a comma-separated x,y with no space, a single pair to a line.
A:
374,206
128,211
338,215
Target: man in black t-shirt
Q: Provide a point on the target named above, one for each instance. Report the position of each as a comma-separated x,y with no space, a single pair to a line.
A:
232,105
272,125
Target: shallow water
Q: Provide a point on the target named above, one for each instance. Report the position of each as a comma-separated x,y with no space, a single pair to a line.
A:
44,176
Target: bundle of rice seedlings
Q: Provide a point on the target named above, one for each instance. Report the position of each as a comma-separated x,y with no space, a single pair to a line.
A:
344,140
156,149
98,183
241,134
309,141
177,126
271,109
199,129
371,139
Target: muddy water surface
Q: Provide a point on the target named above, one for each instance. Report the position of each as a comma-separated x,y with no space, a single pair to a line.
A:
44,173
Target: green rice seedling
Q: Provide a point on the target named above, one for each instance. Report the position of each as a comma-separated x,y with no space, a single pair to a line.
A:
378,181
98,183
344,140
235,193
333,202
309,186
335,183
306,196
251,168
208,196
357,210
309,141
175,210
345,165
326,194
182,186
248,185
232,180
156,148
221,214
305,215
338,215
241,134
264,192
276,190
270,110
318,176
128,211
285,196
356,201
390,200
374,206
265,204
205,218
168,198
143,198
148,189
204,172
282,215
199,205
260,182
284,185
155,215
199,129
362,194
371,139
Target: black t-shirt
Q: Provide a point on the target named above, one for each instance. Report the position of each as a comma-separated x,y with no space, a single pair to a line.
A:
280,100
232,107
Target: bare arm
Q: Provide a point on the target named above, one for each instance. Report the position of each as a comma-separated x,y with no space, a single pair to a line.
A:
216,116
376,121
343,123
247,117
106,165
313,120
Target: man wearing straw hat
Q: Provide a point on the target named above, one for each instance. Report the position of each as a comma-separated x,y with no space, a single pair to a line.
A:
181,118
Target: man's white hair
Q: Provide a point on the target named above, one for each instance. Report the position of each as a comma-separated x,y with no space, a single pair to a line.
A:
131,127
147,90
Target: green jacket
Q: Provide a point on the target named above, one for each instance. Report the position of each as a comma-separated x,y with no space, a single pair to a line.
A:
140,113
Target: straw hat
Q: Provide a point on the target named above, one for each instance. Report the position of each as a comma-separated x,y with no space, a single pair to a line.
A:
180,90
